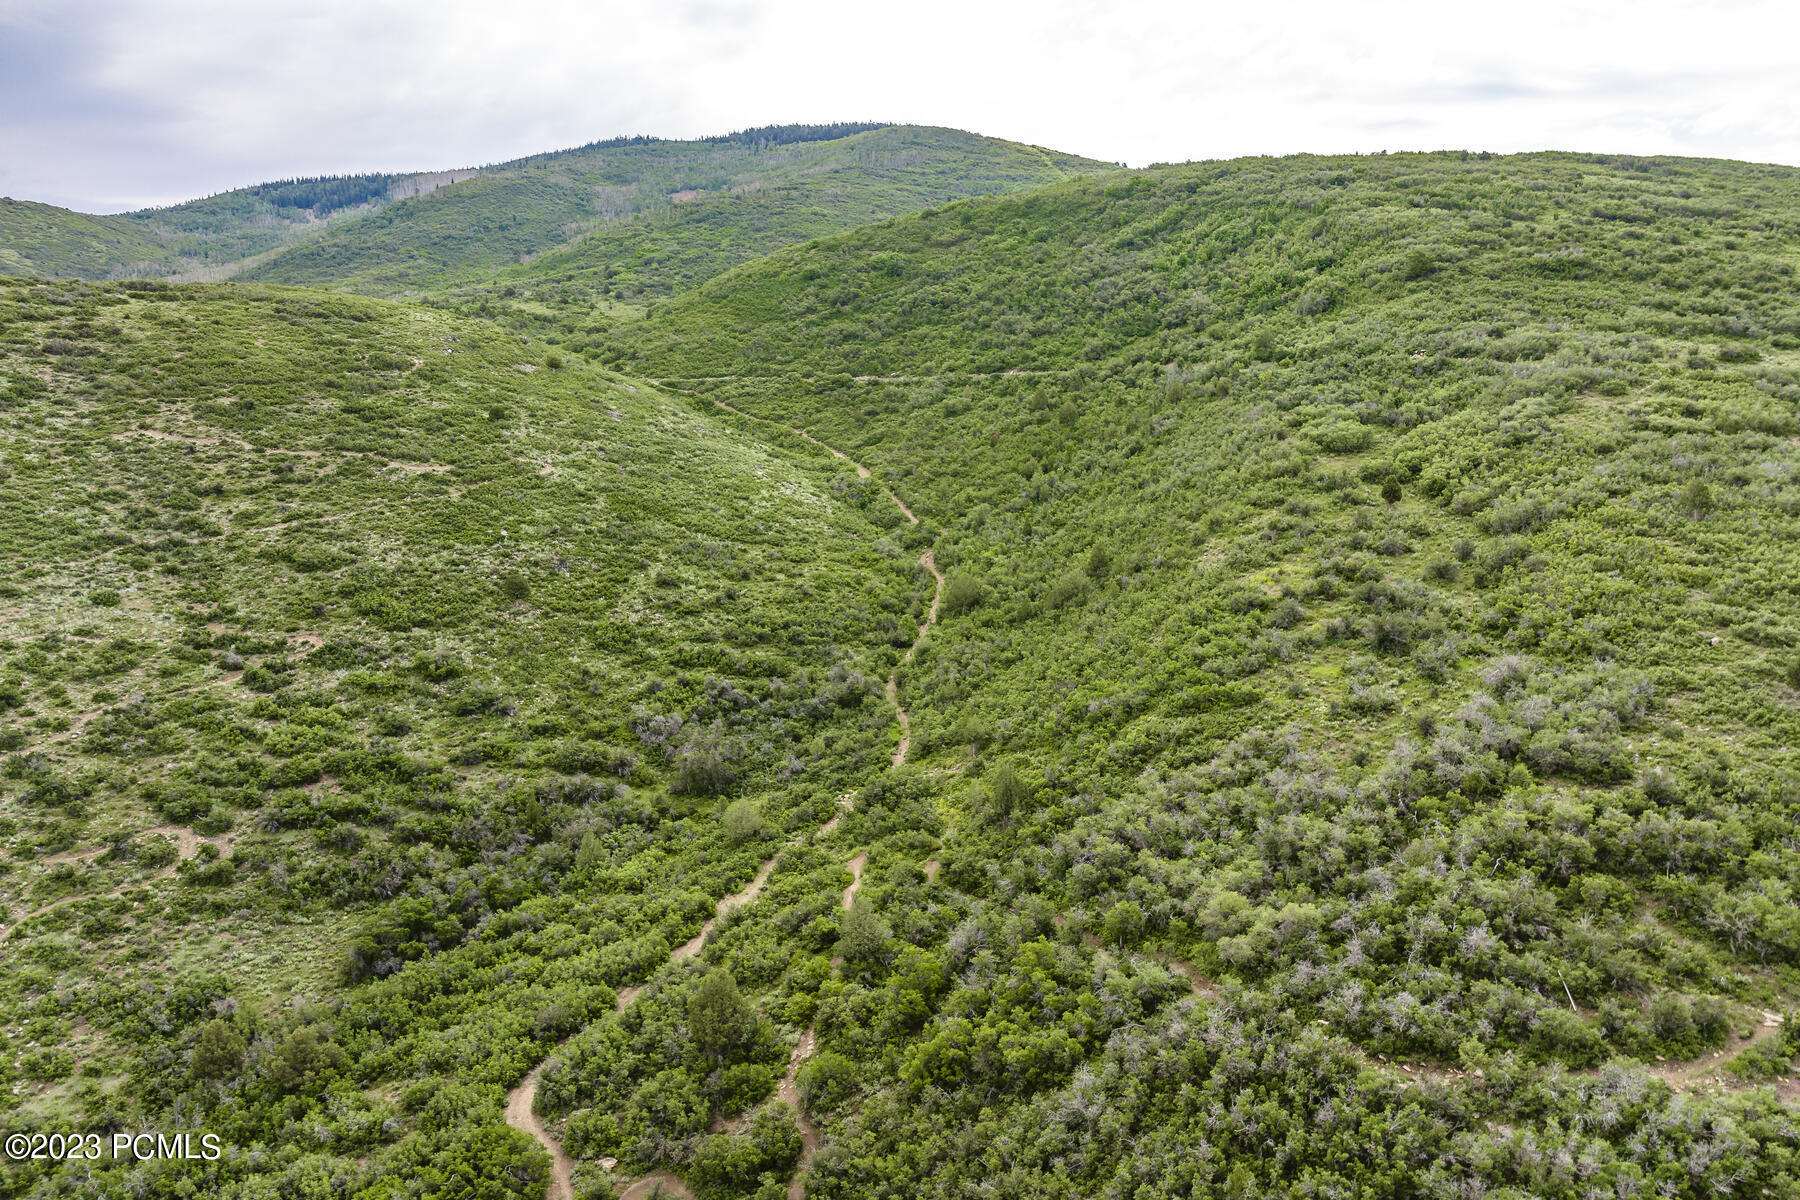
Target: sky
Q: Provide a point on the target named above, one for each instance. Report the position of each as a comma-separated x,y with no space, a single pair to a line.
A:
109,106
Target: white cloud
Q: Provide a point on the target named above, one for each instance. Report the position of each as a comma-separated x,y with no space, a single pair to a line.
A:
112,105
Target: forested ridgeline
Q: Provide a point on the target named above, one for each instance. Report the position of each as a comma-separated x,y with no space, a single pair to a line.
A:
671,213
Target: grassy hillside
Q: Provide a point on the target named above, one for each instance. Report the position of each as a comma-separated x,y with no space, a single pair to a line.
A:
212,237
1370,585
41,239
626,218
372,686
646,218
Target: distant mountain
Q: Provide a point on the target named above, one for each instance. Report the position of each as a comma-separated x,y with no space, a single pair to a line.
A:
644,218
739,195
212,237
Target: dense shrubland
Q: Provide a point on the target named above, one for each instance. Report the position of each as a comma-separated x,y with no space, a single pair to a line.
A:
1357,756
373,607
1451,499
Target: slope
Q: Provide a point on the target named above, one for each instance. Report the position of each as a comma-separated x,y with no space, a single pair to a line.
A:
657,215
212,237
379,694
41,239
1370,587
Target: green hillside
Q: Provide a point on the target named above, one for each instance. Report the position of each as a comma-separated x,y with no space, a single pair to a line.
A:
1239,680
41,239
646,218
620,219
212,237
1371,583
372,686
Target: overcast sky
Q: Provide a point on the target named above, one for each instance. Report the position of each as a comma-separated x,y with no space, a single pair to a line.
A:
109,106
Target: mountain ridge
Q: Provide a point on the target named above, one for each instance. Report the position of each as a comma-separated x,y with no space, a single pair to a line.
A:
248,230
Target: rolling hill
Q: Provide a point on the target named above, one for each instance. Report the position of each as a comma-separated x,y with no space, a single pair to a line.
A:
353,650
211,238
1347,557
648,218
1258,678
664,213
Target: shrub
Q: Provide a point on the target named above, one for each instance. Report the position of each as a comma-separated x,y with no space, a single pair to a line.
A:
1007,792
1697,498
1418,265
826,1083
743,1086
743,820
961,593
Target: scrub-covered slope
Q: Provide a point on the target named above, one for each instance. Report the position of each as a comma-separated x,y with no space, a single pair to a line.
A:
378,694
1371,586
211,237
649,216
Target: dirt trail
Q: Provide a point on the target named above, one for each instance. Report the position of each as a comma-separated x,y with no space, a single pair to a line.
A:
856,866
751,891
187,845
520,1116
1682,1074
521,1100
1708,1069
788,1092
929,561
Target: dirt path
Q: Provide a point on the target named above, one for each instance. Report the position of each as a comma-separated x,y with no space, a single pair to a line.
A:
788,1092
1682,1074
929,561
1707,1070
751,891
519,1115
521,1101
856,866
187,845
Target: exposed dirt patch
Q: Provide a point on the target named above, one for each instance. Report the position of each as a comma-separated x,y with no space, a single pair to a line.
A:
519,1115
754,888
856,866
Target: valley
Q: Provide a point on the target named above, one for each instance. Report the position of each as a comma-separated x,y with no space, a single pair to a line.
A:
922,668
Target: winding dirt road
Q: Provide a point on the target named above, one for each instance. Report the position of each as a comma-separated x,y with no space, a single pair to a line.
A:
521,1101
